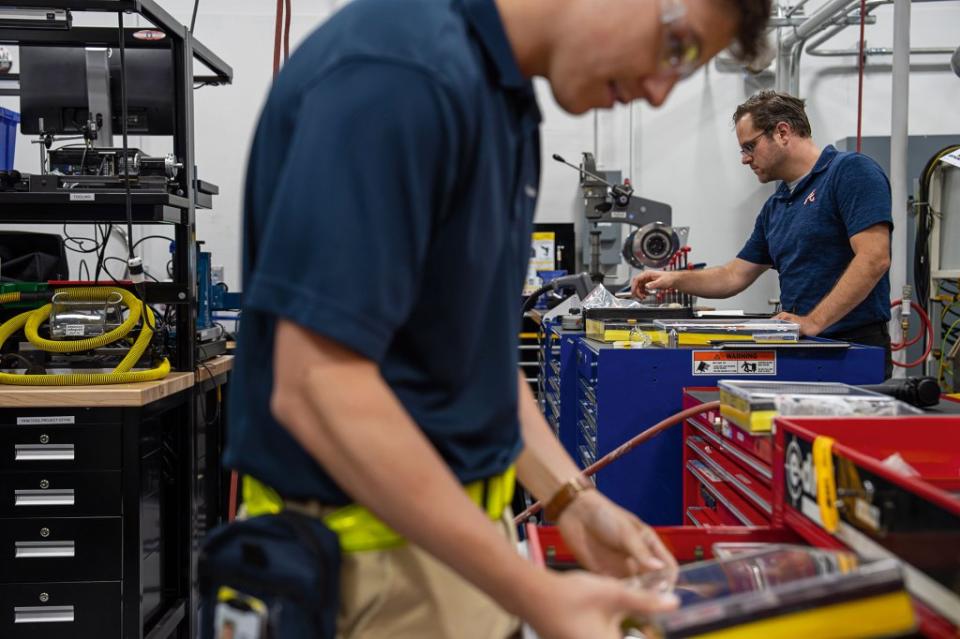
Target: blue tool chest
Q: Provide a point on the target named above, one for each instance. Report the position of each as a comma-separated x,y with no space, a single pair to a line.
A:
596,397
557,382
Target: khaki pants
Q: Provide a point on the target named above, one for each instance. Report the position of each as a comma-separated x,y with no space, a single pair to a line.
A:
404,593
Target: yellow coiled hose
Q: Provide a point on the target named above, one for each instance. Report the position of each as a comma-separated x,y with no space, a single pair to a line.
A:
30,322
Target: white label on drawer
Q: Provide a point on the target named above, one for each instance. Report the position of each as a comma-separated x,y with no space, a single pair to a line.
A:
739,363
83,197
45,420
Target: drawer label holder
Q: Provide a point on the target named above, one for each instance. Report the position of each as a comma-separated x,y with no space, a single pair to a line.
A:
46,420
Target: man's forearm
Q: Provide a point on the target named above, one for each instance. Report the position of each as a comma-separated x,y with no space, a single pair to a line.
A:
544,465
854,285
713,283
349,420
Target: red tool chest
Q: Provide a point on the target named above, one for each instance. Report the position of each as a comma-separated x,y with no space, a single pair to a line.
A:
728,475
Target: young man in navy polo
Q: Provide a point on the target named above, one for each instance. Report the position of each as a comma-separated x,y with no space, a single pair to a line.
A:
826,230
388,211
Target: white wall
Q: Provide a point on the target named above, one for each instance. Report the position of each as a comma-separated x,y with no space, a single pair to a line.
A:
684,153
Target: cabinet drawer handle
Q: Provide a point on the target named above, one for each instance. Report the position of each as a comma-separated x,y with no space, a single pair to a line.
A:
43,614
55,497
44,549
44,452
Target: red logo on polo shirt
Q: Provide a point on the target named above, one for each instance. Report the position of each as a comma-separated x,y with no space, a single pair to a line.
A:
811,198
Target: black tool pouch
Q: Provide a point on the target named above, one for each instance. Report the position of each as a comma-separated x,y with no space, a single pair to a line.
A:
270,577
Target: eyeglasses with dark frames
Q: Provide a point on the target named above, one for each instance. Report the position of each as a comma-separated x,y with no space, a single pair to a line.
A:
750,146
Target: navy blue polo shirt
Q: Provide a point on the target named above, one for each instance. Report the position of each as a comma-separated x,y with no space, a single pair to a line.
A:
389,204
805,235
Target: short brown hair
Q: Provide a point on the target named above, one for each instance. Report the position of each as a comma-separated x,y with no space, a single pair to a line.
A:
751,35
769,108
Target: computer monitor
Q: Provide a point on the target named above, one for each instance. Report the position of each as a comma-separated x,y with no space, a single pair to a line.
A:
54,86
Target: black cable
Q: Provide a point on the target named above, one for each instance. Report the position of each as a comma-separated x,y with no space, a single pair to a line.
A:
103,250
84,265
151,237
532,299
79,242
921,263
139,287
216,416
107,271
193,18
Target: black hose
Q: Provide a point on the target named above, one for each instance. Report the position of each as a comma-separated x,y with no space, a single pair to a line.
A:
533,297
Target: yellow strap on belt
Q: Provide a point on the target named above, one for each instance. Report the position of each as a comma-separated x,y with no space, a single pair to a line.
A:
826,482
359,529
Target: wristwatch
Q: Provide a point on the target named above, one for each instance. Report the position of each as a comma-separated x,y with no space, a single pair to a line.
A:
565,496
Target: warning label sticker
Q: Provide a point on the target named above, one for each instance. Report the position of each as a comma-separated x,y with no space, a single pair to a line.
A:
713,363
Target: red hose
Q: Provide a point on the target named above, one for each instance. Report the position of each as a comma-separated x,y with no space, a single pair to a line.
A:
925,321
625,448
286,31
277,38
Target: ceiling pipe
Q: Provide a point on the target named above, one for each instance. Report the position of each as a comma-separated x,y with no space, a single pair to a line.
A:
791,44
813,47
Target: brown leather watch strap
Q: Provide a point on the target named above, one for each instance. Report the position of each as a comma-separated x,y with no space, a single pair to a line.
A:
565,496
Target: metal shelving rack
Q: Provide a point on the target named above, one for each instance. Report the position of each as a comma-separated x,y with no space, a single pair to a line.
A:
178,210
148,208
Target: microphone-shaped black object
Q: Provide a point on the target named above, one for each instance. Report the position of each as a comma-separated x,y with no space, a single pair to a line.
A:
921,392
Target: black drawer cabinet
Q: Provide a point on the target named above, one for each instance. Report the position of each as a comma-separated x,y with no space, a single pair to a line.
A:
59,447
60,494
60,610
65,549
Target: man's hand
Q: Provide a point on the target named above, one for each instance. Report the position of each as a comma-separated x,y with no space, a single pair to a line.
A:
808,326
576,604
609,540
653,280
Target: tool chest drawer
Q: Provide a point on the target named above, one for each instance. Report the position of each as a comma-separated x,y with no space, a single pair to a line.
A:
715,494
60,549
702,517
59,494
60,610
60,447
757,446
587,362
758,469
755,492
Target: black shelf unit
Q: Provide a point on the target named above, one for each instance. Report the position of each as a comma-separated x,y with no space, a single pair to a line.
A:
60,207
174,420
149,208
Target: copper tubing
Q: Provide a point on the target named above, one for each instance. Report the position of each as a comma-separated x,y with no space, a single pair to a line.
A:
623,449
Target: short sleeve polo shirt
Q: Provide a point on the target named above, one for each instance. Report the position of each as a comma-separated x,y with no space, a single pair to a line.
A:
805,234
389,203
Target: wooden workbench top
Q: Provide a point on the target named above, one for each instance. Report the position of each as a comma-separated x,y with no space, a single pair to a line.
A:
110,395
215,367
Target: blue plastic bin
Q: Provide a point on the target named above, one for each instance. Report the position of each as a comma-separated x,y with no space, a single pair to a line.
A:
8,137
